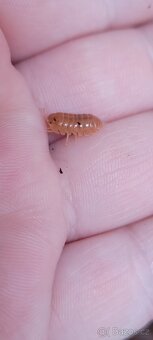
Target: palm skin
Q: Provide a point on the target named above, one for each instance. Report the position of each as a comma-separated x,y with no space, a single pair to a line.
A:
103,200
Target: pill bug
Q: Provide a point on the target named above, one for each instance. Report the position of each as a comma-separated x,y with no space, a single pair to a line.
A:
73,124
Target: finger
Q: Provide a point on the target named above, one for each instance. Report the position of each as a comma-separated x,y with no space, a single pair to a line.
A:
31,27
108,177
109,75
101,284
30,211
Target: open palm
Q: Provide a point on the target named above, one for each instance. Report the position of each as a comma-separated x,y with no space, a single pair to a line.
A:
80,57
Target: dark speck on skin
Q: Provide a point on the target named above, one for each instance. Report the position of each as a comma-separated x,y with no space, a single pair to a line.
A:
54,119
60,171
52,149
79,123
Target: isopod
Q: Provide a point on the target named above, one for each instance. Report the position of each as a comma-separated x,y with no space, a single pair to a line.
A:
73,124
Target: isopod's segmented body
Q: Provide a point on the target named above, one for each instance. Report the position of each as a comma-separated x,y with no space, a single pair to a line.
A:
73,124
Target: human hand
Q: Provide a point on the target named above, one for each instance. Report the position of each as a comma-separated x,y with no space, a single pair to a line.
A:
103,200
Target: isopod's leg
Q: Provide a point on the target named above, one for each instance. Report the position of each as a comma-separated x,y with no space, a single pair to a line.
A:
76,137
67,137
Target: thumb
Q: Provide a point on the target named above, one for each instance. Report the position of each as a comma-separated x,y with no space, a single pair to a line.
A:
32,227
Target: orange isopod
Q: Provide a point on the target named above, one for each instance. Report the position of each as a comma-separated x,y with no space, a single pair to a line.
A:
73,124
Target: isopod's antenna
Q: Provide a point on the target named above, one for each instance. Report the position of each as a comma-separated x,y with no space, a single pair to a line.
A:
47,124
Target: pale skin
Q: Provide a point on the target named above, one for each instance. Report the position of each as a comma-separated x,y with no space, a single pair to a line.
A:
103,201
